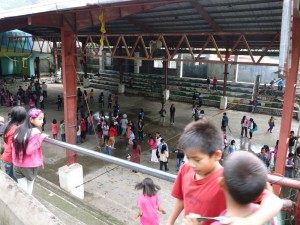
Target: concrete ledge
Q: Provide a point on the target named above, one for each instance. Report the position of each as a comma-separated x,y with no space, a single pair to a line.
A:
19,208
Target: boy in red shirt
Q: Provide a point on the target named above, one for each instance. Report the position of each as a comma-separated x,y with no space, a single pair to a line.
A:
197,188
244,180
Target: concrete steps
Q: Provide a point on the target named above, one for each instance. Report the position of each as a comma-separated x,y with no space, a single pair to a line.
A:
69,209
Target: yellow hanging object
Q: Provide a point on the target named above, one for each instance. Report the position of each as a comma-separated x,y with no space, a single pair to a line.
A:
102,29
101,41
101,16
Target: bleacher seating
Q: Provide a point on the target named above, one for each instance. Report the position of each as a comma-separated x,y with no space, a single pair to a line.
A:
182,89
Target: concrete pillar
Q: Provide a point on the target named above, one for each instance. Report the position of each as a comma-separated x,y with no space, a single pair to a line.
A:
71,179
137,63
236,74
166,94
121,88
223,102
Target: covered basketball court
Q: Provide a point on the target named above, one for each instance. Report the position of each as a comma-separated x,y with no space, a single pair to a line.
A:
161,29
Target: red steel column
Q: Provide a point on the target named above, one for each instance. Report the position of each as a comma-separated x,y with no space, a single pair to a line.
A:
69,83
288,103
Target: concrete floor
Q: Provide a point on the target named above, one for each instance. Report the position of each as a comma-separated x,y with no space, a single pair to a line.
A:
111,188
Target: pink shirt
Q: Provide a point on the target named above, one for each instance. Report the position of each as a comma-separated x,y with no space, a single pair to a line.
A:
34,156
54,128
152,143
149,206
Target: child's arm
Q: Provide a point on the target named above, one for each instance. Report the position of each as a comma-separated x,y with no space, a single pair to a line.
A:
161,210
175,212
140,213
269,208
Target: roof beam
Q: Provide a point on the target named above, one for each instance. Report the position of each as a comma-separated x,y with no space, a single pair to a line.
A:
206,16
140,25
241,3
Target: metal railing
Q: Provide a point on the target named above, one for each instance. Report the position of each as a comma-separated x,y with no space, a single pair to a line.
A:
289,205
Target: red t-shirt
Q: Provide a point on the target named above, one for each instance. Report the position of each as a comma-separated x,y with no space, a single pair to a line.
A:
203,197
112,132
83,126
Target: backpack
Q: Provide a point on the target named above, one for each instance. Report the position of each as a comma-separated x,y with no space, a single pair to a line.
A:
255,128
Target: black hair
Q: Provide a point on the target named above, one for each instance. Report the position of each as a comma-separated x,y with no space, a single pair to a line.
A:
202,135
134,144
23,132
62,121
54,121
148,186
243,120
290,155
18,115
232,142
163,149
245,176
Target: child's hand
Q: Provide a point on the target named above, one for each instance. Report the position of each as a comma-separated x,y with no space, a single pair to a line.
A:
45,135
191,219
163,211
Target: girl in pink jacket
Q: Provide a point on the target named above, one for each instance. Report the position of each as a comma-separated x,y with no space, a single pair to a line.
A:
26,149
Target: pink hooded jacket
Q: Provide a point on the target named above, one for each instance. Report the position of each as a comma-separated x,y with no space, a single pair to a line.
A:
34,156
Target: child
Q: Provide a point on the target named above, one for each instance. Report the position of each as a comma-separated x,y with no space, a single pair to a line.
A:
83,129
78,133
196,187
26,149
163,158
149,202
135,153
18,115
62,130
108,146
59,102
153,146
271,123
100,132
289,166
179,158
263,156
231,147
91,95
292,141
54,127
244,180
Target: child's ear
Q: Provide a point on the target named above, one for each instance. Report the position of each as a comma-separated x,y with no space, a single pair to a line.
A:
218,155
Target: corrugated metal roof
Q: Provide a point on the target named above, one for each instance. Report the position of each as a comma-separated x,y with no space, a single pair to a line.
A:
165,16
